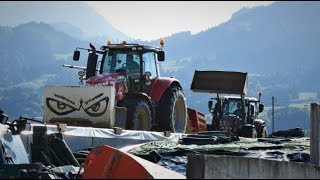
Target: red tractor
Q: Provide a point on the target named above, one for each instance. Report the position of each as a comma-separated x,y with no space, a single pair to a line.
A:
124,90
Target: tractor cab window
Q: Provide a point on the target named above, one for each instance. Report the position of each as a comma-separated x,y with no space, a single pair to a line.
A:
253,109
121,61
231,107
150,63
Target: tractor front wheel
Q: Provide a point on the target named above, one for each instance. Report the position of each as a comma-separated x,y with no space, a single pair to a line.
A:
139,115
173,111
248,132
263,133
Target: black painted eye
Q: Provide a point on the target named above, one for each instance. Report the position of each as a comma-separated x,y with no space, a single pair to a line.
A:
59,107
98,108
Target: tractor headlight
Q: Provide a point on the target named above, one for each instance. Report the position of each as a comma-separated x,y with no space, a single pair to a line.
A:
81,73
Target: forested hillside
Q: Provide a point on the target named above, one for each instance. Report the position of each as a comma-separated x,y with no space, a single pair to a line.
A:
278,45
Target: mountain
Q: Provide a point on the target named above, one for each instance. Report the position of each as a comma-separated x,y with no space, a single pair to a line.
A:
32,56
69,29
277,45
32,49
67,16
257,36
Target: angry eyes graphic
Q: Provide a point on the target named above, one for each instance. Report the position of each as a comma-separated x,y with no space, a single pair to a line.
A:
94,107
59,107
98,108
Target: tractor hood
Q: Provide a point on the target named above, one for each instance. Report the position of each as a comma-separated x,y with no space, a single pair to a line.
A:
224,82
108,79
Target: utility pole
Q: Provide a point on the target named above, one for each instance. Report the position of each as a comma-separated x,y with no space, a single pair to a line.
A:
272,113
314,134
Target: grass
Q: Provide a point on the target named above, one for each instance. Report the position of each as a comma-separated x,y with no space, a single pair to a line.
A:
295,145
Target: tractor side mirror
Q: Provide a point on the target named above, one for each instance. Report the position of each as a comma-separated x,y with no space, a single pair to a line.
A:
3,118
91,65
76,55
210,104
161,55
261,107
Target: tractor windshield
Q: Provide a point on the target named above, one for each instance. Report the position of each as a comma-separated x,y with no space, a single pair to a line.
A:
232,107
121,60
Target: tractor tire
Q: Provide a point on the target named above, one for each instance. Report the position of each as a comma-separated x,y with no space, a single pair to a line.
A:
173,111
139,115
253,133
248,131
263,133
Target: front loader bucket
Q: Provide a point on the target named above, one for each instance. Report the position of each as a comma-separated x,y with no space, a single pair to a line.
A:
224,82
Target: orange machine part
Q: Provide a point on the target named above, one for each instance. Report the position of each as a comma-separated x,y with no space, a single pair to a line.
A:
196,121
201,122
105,162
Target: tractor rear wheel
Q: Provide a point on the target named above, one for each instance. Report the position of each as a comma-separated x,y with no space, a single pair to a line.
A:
139,115
173,111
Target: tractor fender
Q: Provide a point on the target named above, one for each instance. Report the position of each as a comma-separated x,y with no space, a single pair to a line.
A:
259,124
160,85
139,96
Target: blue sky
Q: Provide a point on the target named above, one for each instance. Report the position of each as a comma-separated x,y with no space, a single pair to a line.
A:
148,20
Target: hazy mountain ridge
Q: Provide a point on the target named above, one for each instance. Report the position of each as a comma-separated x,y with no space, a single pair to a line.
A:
277,45
27,44
77,14
279,38
32,55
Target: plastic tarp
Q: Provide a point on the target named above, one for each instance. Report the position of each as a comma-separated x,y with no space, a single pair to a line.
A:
79,138
174,155
12,145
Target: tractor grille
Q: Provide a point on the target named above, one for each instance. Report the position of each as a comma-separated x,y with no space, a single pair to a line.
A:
229,123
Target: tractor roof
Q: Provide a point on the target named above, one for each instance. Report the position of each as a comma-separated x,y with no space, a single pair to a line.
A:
124,45
252,99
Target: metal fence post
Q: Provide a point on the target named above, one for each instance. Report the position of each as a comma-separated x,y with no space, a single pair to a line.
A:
314,134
